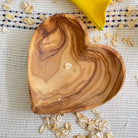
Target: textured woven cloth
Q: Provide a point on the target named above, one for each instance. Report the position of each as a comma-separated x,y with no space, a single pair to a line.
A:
16,117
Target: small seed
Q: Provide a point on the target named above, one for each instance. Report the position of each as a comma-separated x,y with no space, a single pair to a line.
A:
6,7
9,1
97,39
67,65
9,16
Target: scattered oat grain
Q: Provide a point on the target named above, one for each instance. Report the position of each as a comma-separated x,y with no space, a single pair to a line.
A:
59,134
9,1
9,16
130,8
28,21
121,26
108,135
113,43
131,24
6,7
129,13
42,17
28,9
97,39
115,36
4,29
107,35
42,129
68,125
128,41
135,19
24,5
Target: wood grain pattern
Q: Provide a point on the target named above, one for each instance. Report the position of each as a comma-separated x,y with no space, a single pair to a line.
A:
96,75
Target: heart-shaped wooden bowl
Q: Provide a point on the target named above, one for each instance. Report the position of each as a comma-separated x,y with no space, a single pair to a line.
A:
66,73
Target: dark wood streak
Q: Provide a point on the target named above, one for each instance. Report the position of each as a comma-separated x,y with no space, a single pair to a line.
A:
79,91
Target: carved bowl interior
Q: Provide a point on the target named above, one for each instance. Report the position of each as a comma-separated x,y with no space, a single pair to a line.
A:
96,75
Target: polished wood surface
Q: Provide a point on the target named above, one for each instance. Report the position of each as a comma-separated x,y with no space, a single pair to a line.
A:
96,75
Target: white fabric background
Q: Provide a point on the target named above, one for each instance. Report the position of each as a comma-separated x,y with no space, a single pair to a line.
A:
16,117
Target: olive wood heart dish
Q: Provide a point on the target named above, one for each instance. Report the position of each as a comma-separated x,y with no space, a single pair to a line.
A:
66,73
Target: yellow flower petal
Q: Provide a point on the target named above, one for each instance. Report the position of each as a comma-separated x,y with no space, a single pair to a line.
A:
95,10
